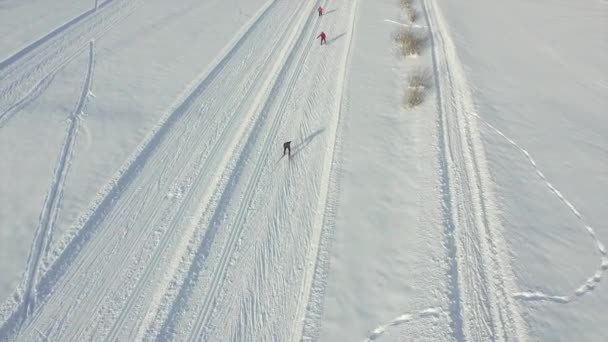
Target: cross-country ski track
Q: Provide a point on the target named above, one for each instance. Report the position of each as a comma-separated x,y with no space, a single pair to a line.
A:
209,178
28,72
208,232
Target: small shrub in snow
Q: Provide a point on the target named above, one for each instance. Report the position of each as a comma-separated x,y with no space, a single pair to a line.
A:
408,6
407,3
421,78
418,83
410,42
412,14
414,97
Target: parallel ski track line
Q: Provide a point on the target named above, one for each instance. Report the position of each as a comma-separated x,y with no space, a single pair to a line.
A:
228,182
29,97
455,308
315,292
21,79
470,270
480,270
221,269
189,198
50,35
282,195
126,176
210,232
44,232
259,98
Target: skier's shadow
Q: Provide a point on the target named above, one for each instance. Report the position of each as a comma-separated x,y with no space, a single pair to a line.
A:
329,41
330,11
299,147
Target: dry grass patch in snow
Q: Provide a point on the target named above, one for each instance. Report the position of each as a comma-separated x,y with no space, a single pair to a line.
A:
418,83
408,6
410,41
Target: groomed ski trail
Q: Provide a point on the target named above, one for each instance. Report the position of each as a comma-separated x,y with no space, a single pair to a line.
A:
482,307
314,288
306,38
151,206
268,215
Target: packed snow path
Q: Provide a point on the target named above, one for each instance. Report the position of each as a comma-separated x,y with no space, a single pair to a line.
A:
208,200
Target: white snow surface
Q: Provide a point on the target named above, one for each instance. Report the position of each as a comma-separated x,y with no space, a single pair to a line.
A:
144,194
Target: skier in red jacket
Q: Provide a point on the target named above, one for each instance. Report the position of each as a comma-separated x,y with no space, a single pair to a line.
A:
320,9
322,36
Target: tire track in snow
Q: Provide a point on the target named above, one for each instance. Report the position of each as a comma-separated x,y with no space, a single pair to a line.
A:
593,280
46,224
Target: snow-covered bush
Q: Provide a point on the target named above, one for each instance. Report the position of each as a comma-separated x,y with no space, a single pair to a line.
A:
408,6
414,97
418,83
410,41
407,3
421,78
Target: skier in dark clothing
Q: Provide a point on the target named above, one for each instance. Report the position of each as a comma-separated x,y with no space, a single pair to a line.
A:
320,10
322,36
287,147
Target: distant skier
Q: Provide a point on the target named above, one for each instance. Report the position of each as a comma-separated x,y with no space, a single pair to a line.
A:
322,36
287,147
320,10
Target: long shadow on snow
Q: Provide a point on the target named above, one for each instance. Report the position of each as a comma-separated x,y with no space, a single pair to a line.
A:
306,141
330,41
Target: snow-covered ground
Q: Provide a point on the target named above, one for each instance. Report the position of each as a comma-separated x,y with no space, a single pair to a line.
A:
144,194
540,76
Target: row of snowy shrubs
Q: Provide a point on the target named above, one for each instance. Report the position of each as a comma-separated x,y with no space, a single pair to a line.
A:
411,42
